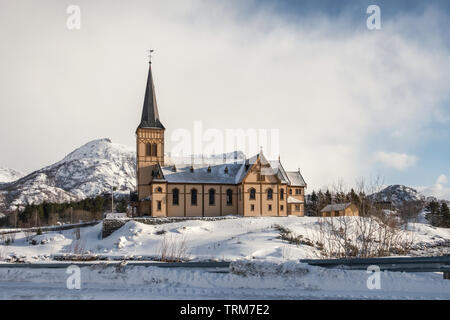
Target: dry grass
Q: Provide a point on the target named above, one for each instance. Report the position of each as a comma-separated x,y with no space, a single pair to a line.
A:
173,249
362,237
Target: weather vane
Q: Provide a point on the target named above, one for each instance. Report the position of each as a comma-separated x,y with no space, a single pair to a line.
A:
150,55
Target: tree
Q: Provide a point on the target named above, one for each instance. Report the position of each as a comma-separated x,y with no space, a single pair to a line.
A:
445,215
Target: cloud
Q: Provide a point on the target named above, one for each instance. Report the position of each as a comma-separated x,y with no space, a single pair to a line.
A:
399,161
331,88
439,190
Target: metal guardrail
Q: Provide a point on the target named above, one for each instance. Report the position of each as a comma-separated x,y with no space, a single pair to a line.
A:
52,228
396,264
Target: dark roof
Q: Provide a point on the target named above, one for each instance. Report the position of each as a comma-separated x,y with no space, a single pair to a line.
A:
336,207
150,116
296,179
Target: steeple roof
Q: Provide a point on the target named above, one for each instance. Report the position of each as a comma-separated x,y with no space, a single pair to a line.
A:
150,116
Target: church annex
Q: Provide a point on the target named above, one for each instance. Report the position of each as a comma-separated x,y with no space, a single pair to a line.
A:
254,187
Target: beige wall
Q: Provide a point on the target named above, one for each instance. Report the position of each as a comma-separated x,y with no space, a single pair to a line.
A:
159,196
176,210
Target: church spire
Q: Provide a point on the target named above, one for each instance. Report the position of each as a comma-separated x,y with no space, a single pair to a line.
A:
150,116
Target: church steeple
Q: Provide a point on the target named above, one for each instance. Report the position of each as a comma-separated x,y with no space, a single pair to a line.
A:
150,116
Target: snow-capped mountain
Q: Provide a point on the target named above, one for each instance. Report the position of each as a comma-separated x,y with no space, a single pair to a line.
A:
86,172
9,175
398,194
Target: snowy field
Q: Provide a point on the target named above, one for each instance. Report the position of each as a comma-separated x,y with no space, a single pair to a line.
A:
244,239
229,240
160,283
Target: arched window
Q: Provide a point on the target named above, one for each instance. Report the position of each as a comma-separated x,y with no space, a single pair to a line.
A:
194,197
229,197
212,197
252,194
175,196
148,149
154,150
269,194
282,194
159,189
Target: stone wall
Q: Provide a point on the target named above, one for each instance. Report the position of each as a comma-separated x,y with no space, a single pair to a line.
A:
111,225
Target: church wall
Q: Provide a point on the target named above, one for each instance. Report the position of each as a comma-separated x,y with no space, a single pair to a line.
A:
233,208
211,210
176,210
159,196
194,210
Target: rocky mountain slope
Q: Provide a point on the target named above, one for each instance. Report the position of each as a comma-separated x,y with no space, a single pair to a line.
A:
9,175
86,172
398,194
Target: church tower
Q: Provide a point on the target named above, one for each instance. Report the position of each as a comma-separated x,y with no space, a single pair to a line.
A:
149,139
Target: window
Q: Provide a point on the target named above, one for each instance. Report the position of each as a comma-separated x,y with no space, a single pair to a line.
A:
252,194
282,194
298,191
297,207
281,208
229,197
269,194
239,193
212,197
252,207
148,149
270,207
154,150
175,196
290,191
260,177
159,205
194,197
159,189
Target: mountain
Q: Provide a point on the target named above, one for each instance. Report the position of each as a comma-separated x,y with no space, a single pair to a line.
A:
86,172
398,194
9,175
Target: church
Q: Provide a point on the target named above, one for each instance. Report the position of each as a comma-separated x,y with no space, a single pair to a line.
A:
251,187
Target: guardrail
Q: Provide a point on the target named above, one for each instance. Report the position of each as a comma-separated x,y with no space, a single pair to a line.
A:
52,228
396,264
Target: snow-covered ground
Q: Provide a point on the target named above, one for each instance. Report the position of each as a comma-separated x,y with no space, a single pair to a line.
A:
161,283
243,239
228,239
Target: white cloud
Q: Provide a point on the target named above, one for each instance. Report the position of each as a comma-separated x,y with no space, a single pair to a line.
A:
439,190
399,161
329,89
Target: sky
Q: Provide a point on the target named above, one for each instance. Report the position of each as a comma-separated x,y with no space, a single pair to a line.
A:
347,102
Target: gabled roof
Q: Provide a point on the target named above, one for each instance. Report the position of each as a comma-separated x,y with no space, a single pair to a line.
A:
201,174
236,173
336,207
296,179
150,116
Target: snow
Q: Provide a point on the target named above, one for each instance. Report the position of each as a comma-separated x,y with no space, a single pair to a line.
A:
227,239
263,266
293,281
9,175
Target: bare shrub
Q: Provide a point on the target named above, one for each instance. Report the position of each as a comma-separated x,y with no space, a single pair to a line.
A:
173,249
362,237
7,238
29,233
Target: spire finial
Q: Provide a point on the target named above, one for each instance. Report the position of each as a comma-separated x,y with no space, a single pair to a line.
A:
150,55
